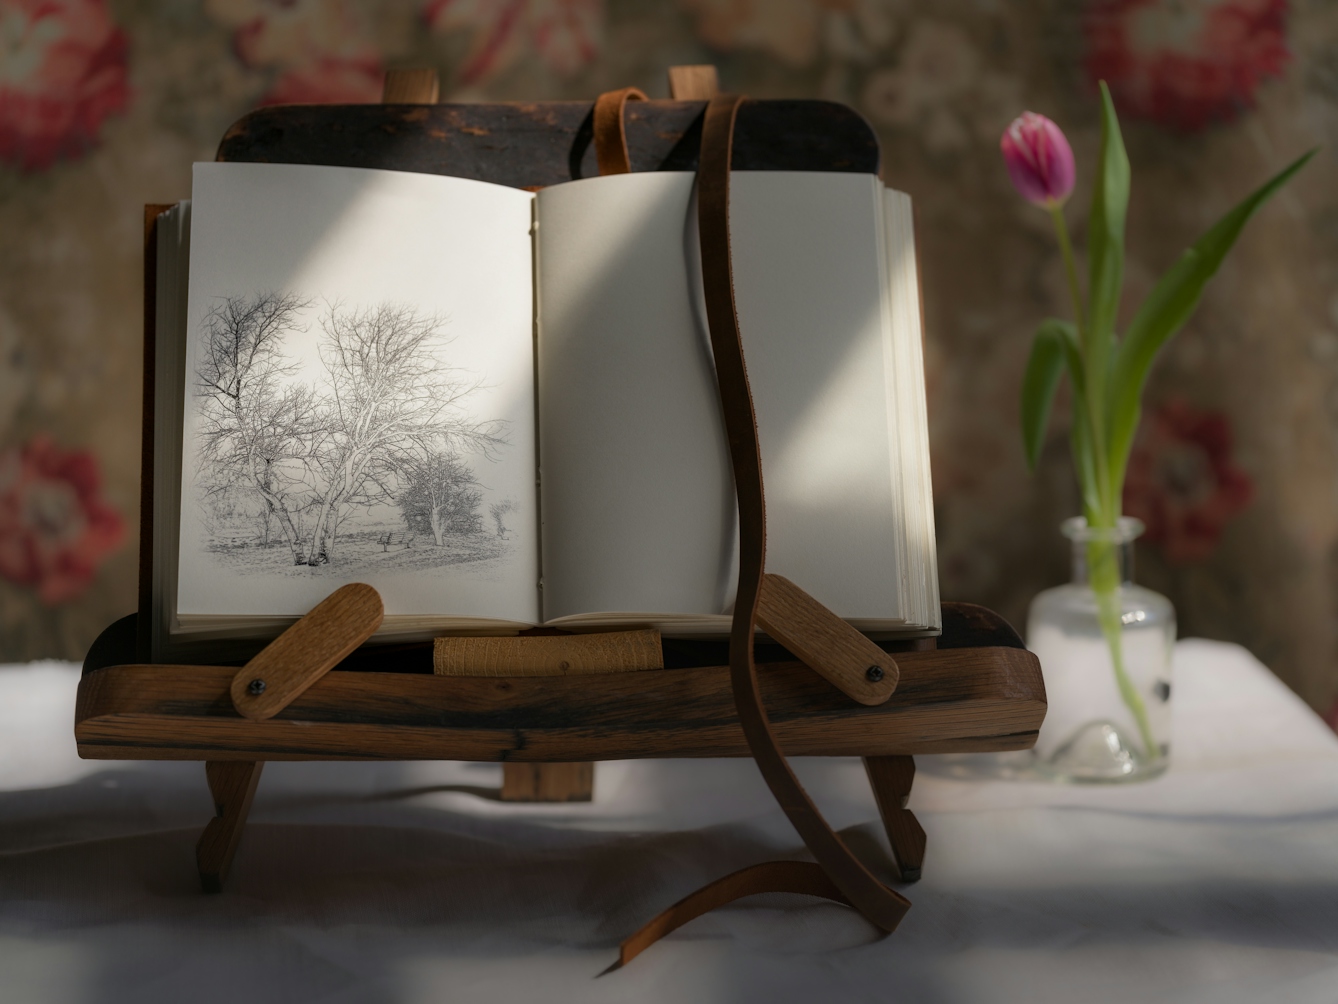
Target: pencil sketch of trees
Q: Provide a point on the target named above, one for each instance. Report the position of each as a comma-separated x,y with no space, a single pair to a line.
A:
257,427
383,422
440,496
388,394
499,511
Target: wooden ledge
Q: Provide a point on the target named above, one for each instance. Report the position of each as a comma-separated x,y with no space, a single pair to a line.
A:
535,144
956,700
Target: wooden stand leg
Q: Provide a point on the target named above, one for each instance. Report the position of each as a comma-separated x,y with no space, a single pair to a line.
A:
548,782
233,785
891,778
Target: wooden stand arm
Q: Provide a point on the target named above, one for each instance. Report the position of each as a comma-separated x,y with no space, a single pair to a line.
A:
233,786
308,650
825,643
891,777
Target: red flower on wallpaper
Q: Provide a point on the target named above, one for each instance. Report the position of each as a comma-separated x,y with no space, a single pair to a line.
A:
62,72
329,82
321,49
1182,482
565,34
55,529
1185,63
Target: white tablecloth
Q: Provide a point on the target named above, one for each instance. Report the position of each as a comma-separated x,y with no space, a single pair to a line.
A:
410,882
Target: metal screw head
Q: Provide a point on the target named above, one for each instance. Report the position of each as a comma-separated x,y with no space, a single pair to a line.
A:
256,687
874,674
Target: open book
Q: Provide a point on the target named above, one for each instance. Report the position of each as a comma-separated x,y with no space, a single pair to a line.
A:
500,409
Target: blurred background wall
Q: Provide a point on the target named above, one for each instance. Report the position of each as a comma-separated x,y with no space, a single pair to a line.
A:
104,104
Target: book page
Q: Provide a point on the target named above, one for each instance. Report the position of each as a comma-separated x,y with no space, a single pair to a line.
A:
359,401
637,494
809,283
638,499
912,411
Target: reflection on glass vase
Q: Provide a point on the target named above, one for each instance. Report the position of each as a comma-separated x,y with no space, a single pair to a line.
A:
1105,648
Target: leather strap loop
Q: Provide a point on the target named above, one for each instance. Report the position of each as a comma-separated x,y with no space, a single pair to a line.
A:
838,874
880,905
611,131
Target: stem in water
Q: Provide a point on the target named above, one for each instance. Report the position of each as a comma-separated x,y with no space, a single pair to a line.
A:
1104,575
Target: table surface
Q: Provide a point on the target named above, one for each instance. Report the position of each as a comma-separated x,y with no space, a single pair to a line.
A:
410,882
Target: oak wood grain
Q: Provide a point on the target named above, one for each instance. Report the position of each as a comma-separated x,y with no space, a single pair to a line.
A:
534,144
556,655
411,87
233,785
891,778
548,655
306,651
824,642
959,700
548,782
693,83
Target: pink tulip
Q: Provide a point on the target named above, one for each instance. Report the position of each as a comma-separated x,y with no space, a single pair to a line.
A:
1039,160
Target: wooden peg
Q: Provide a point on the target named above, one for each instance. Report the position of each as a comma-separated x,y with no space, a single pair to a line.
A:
548,782
825,643
693,83
233,785
548,655
556,655
891,777
411,87
307,651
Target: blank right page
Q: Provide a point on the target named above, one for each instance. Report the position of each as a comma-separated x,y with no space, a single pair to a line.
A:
811,286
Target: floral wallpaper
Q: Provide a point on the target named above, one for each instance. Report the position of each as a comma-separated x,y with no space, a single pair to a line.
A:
104,104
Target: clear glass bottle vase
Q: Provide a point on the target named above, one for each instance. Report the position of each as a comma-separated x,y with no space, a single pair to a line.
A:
1105,647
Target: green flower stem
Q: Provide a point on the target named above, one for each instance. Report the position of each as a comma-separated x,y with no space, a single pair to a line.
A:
1091,400
1102,555
1103,573
1070,267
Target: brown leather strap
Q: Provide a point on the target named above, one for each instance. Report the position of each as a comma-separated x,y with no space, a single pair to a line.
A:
802,877
611,132
838,874
880,905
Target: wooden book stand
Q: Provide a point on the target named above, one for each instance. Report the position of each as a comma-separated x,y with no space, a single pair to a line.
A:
546,705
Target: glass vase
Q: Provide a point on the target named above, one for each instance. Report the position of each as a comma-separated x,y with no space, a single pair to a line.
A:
1105,648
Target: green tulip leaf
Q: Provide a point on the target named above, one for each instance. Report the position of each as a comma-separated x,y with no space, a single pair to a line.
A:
1169,305
1105,242
1051,348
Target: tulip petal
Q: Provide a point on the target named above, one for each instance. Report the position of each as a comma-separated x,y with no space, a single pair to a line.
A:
1039,159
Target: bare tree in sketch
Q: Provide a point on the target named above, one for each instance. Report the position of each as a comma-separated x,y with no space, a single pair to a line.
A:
383,413
441,495
499,511
257,426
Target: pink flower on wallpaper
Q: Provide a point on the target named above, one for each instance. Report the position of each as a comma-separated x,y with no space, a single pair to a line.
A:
320,47
329,81
55,529
1185,63
1182,481
62,72
564,34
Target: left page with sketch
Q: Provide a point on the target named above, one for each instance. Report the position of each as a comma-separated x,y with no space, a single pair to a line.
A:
358,406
